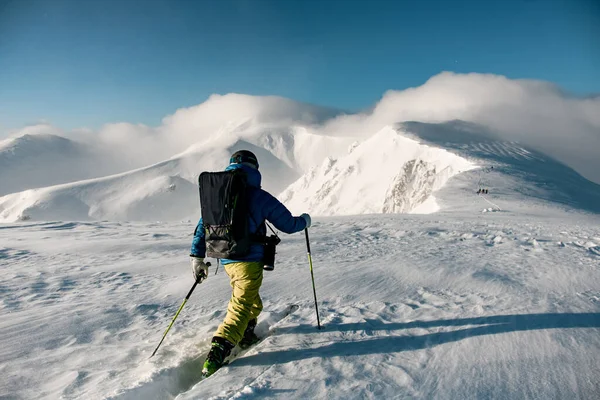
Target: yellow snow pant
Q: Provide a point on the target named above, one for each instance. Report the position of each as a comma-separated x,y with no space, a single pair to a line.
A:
245,303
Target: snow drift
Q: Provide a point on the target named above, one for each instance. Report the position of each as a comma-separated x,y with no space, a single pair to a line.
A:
445,306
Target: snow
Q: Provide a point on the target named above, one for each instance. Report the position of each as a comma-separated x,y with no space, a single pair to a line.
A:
425,288
458,303
386,173
41,159
446,305
394,165
163,191
398,169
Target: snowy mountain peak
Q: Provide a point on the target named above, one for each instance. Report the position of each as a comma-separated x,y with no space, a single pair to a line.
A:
42,159
388,172
40,140
319,159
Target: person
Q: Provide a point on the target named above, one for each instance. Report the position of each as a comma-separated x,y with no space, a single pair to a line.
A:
246,273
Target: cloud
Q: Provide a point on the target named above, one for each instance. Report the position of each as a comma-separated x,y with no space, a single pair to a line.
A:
536,113
37,129
219,116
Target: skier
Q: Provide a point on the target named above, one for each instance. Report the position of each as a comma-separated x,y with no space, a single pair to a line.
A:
245,273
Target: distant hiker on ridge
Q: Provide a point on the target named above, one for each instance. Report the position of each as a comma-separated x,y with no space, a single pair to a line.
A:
232,229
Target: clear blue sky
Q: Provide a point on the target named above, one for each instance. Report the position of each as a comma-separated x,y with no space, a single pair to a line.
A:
83,63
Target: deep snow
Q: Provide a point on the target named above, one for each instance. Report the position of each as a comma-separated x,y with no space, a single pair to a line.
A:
449,305
478,296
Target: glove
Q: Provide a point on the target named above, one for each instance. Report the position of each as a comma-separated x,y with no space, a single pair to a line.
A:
307,219
199,269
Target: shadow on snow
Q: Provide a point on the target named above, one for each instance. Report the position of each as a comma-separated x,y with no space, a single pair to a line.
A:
390,344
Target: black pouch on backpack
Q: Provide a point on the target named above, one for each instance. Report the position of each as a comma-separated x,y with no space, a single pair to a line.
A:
224,206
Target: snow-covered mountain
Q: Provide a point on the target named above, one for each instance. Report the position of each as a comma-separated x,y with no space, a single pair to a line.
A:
39,160
396,170
387,173
167,190
510,171
320,160
164,191
493,295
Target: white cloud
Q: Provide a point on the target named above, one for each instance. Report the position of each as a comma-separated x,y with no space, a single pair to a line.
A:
536,113
37,129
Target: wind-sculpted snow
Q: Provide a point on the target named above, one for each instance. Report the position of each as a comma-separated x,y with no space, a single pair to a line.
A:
449,305
509,169
458,304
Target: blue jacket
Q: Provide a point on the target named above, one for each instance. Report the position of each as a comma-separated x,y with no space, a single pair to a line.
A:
263,206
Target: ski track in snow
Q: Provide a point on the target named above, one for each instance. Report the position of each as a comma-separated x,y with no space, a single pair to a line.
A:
440,306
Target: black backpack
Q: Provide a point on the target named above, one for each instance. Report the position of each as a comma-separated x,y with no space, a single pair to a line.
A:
225,212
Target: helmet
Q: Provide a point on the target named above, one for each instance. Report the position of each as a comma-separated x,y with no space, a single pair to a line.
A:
244,157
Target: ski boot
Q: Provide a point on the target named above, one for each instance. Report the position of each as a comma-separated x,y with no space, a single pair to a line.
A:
220,349
249,337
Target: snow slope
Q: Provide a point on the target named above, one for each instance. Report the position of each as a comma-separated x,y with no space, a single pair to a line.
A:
164,191
538,138
167,190
387,173
511,171
396,170
449,305
41,159
492,296
455,304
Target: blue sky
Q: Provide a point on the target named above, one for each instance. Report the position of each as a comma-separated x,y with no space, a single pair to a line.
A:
83,63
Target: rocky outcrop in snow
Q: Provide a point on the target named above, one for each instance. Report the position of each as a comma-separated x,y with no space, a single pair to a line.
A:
387,173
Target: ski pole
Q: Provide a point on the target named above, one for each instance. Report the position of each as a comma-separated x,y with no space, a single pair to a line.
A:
312,276
176,315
